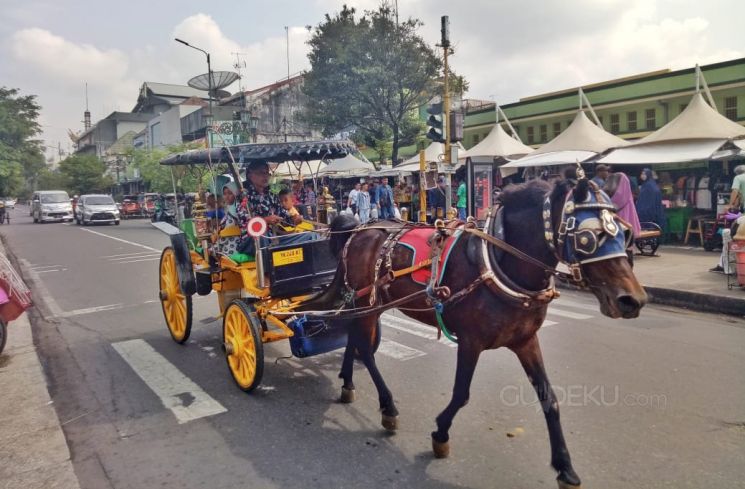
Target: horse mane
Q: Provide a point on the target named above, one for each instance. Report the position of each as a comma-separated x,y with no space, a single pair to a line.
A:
525,195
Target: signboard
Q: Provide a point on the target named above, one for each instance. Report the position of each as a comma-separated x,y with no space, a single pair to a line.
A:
227,133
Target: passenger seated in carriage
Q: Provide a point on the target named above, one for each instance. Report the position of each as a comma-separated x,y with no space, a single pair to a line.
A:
233,222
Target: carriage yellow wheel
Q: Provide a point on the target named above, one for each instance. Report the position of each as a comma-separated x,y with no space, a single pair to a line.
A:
241,330
177,308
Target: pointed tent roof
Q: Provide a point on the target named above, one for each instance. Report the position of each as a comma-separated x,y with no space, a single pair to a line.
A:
698,121
350,164
695,134
431,154
581,140
497,143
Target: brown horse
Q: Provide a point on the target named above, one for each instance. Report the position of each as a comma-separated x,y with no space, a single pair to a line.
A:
488,315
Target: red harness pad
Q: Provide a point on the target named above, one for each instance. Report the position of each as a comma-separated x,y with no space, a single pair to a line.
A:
417,241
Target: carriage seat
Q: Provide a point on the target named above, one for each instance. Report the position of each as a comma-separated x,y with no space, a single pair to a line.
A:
649,239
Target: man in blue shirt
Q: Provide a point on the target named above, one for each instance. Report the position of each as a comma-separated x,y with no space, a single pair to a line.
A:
384,199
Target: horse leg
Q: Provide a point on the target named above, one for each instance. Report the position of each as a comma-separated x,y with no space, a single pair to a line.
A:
347,370
468,357
364,340
531,359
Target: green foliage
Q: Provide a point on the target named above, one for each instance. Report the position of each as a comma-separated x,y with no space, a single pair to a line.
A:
369,75
157,177
49,179
20,154
84,174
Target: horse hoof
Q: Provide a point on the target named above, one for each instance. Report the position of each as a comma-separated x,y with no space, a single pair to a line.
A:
347,396
564,485
390,423
441,449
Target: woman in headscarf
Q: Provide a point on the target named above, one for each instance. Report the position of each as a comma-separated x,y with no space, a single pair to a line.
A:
234,222
649,205
618,187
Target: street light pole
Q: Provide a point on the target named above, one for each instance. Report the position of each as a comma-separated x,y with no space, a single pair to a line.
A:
209,86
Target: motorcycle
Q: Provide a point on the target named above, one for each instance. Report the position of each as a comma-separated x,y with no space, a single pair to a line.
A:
15,298
165,210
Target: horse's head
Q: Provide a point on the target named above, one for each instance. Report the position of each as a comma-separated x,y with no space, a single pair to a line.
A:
592,240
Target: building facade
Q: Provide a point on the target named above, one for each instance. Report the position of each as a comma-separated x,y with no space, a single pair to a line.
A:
630,107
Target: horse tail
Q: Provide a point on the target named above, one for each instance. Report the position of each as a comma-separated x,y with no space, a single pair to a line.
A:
341,231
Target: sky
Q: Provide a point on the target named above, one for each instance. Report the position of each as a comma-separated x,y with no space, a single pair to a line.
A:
507,49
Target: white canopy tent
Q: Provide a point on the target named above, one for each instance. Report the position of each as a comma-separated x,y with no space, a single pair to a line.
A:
581,140
697,133
294,169
350,165
495,145
434,153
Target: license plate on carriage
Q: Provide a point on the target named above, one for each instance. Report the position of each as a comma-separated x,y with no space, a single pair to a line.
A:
287,257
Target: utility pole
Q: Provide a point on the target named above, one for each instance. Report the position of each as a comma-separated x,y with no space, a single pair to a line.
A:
445,44
287,43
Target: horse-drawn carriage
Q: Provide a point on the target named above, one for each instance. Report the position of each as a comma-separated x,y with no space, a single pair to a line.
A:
256,296
486,288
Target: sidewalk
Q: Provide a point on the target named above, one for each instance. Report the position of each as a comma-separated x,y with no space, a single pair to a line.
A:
33,450
679,276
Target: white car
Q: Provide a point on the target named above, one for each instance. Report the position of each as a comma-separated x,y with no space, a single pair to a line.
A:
51,205
10,203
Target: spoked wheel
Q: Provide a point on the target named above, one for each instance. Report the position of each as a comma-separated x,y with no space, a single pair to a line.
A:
241,329
177,308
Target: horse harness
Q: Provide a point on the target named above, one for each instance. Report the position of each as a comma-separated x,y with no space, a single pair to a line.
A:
579,239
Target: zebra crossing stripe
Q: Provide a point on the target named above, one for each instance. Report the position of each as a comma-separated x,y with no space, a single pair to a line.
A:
176,391
567,314
398,351
414,328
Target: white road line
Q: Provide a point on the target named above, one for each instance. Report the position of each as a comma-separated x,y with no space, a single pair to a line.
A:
548,322
41,288
398,351
128,255
579,305
120,239
135,257
567,314
41,267
176,391
89,310
53,270
415,329
138,261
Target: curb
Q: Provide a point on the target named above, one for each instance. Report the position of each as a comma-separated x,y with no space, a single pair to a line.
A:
34,449
693,301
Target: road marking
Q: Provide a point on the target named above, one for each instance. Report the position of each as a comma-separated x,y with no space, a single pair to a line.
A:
89,310
41,267
122,240
41,288
567,314
176,391
417,329
398,351
53,270
137,261
548,322
579,305
127,255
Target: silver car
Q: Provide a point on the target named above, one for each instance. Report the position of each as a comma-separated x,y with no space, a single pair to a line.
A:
51,205
95,208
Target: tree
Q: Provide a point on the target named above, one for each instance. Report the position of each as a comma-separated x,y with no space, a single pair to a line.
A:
158,177
84,174
369,75
20,154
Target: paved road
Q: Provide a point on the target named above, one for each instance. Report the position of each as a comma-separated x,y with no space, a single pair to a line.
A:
653,402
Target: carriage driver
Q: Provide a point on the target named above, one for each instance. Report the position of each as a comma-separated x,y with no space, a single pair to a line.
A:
262,203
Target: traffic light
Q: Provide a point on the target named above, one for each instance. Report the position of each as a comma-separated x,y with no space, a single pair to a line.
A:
434,122
456,126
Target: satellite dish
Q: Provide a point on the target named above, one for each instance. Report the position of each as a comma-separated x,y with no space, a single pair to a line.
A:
220,79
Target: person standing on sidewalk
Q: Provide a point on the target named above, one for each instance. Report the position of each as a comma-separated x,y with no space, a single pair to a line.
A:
737,196
618,187
353,198
363,204
649,204
461,204
384,198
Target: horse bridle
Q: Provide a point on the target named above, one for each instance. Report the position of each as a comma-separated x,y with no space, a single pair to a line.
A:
589,239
